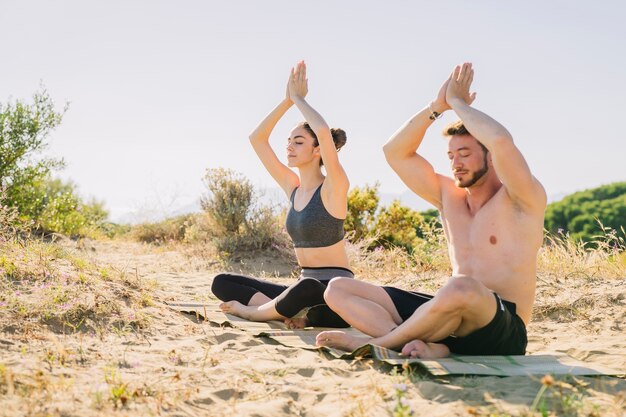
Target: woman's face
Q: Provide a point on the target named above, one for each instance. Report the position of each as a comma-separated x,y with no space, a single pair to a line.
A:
300,148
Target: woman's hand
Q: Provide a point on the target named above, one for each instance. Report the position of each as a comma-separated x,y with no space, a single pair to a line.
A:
297,86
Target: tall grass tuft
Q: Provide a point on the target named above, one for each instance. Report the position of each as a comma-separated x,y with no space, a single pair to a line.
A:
563,257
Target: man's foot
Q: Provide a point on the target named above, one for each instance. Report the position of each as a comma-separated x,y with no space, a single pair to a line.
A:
425,350
299,323
236,309
340,340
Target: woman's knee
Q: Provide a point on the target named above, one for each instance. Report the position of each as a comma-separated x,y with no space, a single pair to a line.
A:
307,287
306,292
219,284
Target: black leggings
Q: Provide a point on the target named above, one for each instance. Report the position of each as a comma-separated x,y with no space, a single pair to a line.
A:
290,300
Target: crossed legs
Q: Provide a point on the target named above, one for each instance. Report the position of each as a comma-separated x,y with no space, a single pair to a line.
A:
259,300
460,307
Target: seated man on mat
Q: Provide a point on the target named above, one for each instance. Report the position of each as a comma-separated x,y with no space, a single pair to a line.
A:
492,213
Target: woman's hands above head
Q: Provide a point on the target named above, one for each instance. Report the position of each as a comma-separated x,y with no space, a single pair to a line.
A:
297,86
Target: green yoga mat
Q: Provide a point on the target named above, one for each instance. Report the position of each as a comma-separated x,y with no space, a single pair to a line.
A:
557,364
212,314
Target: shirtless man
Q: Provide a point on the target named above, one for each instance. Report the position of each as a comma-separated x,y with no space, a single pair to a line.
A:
492,213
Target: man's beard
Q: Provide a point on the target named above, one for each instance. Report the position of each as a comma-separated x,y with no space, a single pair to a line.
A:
475,176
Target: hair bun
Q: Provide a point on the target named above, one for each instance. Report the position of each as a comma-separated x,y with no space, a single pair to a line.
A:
339,137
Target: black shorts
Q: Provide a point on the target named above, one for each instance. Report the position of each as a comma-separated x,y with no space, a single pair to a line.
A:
505,334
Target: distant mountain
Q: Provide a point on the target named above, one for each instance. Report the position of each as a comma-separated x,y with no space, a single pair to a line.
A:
126,215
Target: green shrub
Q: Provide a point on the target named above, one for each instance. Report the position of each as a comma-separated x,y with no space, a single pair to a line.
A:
588,214
394,225
52,205
362,206
235,219
169,230
24,129
397,225
229,199
45,204
8,216
431,221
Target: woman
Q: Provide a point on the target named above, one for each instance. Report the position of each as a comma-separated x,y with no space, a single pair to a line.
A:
314,222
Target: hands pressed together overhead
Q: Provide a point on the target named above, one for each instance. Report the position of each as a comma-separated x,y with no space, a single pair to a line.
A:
456,87
297,86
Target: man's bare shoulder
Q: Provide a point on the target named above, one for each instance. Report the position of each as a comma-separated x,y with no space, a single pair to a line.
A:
533,202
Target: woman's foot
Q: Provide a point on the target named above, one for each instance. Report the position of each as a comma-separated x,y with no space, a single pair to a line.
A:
236,309
341,340
425,350
299,323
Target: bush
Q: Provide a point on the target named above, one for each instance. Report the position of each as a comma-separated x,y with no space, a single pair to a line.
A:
48,205
362,206
166,231
229,199
235,220
51,205
8,216
394,225
397,225
24,129
588,214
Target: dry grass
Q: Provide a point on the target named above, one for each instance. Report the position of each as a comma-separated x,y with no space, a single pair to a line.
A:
574,279
562,258
67,321
45,284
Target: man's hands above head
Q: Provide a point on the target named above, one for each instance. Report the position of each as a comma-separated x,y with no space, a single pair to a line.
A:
457,87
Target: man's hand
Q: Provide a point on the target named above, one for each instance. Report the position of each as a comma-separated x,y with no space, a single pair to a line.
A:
440,104
458,85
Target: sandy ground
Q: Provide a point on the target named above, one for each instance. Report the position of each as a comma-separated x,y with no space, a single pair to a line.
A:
181,367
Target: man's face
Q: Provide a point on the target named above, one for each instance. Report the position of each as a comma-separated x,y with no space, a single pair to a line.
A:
468,160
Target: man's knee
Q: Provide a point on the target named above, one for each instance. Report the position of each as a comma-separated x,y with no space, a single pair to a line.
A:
460,293
336,290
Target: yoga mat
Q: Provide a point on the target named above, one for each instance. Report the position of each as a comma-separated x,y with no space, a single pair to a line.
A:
557,364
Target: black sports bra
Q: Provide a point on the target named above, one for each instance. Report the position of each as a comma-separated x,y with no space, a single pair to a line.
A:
313,226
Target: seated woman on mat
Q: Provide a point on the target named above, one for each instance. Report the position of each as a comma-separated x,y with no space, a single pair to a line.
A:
314,222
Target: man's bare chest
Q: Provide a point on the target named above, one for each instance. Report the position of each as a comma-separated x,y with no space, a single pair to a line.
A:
494,227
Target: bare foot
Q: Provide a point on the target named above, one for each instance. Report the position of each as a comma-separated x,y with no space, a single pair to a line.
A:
235,308
299,323
425,350
340,340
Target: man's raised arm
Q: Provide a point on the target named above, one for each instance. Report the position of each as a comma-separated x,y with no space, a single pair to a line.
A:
400,151
508,162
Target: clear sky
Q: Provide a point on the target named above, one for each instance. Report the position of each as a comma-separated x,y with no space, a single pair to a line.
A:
161,90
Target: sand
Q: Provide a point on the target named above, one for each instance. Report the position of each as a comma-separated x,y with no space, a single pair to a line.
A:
181,367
